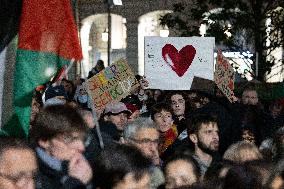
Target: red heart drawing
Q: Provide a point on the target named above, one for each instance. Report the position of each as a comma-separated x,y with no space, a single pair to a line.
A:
179,61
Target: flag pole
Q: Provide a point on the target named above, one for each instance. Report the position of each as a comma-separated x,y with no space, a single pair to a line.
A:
95,118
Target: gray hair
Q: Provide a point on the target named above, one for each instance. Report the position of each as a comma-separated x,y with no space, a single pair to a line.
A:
234,152
132,129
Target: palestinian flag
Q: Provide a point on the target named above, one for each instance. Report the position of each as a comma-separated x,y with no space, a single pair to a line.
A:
48,40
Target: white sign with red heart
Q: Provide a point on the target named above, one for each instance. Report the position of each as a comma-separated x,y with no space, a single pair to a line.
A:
171,63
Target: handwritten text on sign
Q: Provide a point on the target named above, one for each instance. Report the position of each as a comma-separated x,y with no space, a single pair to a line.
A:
224,76
113,83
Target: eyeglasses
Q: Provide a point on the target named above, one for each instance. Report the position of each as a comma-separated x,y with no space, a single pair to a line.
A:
22,177
146,141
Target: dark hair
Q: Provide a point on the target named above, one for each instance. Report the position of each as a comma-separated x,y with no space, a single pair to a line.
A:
278,171
172,93
195,122
262,169
114,162
55,120
241,177
7,143
215,169
159,107
278,139
100,65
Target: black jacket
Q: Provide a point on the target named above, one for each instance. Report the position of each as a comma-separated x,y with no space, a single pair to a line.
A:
48,178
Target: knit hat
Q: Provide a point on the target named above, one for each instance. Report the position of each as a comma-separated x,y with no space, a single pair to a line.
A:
52,92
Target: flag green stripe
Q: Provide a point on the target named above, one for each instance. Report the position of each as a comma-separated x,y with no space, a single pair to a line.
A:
33,68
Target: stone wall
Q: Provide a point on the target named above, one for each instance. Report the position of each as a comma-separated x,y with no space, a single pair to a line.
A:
131,10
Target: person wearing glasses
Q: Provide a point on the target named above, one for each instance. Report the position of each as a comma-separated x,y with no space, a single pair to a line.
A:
59,136
143,134
18,164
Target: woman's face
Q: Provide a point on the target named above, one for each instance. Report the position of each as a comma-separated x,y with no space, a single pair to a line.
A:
163,120
179,173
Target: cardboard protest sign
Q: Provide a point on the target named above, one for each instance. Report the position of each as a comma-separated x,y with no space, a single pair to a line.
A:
171,63
224,76
113,83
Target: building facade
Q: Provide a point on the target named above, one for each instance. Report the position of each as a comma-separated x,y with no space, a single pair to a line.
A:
130,23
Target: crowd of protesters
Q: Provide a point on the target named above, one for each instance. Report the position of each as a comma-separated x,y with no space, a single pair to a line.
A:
151,139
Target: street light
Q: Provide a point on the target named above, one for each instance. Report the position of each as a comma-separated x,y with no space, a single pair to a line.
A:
110,4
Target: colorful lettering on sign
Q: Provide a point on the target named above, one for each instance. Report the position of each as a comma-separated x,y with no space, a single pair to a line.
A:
102,100
116,91
109,74
102,78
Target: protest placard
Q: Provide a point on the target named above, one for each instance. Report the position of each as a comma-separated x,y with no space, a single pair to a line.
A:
113,83
171,63
224,76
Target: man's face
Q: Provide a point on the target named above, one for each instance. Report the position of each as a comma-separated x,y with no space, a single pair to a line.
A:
208,138
178,104
250,97
120,120
185,175
163,120
147,141
17,169
65,146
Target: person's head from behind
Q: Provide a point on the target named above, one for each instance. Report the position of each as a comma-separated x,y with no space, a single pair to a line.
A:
262,169
161,114
203,132
99,66
60,131
143,134
241,152
122,167
117,113
218,170
276,180
181,170
250,96
18,164
278,143
241,177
